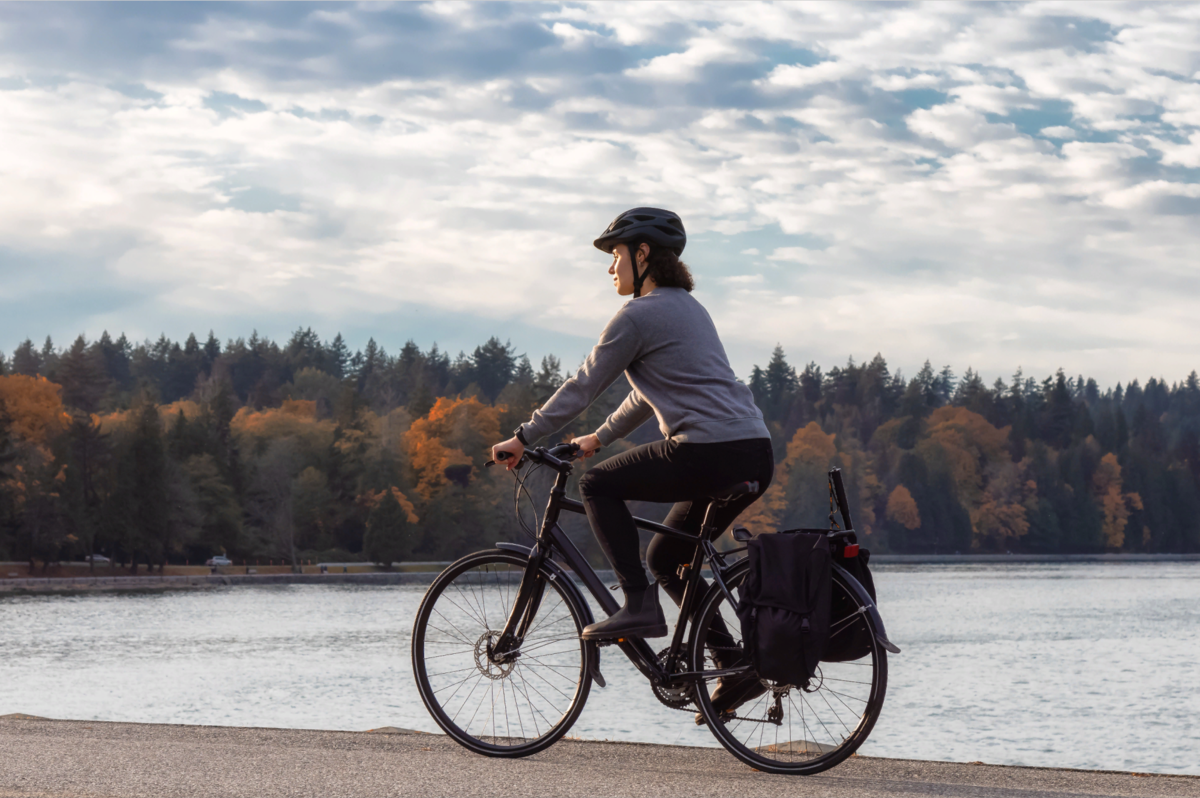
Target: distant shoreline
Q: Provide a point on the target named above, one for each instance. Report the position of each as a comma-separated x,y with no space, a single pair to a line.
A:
412,576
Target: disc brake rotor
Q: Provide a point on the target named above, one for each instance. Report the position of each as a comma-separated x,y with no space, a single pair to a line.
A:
483,661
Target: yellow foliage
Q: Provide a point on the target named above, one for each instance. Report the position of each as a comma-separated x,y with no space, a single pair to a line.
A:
35,406
371,500
902,508
1114,504
294,417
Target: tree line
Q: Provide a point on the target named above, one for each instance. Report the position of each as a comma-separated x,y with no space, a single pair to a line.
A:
162,451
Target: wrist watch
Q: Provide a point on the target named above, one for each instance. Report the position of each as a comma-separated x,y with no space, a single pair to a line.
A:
520,436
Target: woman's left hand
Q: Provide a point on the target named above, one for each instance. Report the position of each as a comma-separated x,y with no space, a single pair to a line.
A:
588,444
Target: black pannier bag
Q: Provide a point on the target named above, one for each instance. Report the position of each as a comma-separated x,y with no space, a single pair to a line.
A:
784,606
850,639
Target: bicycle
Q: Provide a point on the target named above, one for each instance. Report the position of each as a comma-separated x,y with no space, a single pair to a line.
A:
507,620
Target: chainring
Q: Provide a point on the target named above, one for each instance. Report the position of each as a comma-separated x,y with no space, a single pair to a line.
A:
675,697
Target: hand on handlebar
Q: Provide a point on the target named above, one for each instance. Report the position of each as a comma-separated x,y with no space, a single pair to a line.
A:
508,453
588,445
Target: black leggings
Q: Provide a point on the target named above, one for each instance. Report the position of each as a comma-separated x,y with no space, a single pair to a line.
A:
667,471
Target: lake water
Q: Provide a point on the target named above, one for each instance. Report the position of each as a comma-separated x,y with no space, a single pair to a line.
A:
1071,665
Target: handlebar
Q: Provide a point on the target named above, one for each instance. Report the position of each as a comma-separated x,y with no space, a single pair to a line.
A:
557,457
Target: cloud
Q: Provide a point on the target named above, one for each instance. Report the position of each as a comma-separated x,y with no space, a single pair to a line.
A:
987,185
1060,132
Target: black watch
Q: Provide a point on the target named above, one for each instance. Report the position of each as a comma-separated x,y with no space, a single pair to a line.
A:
520,436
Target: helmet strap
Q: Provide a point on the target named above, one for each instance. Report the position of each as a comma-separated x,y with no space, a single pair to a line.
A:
638,279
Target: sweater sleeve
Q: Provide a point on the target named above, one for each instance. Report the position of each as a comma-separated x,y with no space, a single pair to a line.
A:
633,413
619,345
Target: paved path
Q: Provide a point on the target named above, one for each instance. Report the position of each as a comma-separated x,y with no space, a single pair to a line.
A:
79,758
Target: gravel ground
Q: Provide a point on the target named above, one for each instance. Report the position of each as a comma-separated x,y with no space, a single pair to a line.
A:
82,758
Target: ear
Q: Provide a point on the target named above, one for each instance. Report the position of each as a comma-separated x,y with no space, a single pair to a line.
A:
644,250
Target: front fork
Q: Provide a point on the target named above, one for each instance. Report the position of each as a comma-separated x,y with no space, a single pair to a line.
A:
529,599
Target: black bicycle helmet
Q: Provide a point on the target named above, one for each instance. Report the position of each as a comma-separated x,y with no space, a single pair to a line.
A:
652,226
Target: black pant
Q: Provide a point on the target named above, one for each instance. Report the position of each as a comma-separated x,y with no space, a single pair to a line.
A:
667,471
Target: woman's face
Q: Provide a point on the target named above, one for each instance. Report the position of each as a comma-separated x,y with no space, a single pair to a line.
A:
622,270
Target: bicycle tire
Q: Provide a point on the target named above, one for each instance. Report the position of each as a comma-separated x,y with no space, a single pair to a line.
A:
802,755
475,595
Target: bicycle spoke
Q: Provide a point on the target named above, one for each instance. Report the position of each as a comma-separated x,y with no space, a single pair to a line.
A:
534,688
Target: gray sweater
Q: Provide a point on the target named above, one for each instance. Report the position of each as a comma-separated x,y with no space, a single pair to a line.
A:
667,345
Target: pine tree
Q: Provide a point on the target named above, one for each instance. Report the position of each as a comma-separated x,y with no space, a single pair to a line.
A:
25,359
82,377
492,367
337,357
212,348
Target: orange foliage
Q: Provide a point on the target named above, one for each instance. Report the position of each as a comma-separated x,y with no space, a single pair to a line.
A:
35,406
1003,511
809,448
454,427
969,443
35,409
1115,504
902,508
168,413
293,417
371,500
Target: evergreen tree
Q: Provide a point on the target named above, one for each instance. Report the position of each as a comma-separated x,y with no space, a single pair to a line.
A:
337,357
50,359
492,367
81,374
27,360
139,512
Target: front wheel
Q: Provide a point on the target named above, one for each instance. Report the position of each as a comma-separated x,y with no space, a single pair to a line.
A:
509,708
786,729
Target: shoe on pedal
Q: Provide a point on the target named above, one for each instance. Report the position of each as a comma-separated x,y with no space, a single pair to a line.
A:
640,617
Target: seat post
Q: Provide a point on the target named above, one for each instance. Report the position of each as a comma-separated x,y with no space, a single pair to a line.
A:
705,529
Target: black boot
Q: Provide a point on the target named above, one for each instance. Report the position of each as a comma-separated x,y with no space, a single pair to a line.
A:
733,691
640,617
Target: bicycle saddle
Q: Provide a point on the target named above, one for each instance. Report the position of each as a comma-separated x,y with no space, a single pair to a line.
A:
736,489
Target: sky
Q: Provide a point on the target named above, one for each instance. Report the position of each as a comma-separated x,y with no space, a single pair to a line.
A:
982,185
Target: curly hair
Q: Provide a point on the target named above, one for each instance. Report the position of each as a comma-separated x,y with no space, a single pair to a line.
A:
667,270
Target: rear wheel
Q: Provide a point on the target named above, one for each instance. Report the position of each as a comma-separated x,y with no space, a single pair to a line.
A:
785,729
509,708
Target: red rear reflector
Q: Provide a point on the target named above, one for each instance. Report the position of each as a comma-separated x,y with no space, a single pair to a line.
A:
851,551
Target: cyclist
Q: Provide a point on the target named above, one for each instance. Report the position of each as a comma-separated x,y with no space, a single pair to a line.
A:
667,346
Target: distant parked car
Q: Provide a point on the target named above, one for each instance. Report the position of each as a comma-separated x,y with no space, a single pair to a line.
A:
96,558
219,560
